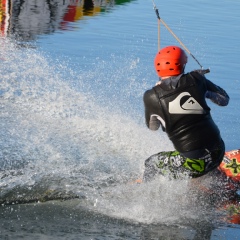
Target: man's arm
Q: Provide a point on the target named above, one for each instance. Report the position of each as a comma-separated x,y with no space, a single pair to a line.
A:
151,110
216,94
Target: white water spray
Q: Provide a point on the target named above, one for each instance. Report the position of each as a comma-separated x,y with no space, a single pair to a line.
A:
61,137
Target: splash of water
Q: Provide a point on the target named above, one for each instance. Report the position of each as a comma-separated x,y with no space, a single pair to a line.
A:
55,132
64,135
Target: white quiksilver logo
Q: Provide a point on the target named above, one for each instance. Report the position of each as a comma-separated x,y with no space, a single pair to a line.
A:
184,103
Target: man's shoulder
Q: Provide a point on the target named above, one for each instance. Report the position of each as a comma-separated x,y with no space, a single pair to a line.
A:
150,91
149,94
196,74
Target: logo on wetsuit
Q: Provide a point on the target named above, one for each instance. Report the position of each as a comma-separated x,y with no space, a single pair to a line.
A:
184,103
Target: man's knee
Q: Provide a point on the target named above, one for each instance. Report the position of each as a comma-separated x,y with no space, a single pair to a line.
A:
150,169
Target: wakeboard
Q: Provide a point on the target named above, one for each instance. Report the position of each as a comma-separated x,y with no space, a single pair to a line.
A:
230,165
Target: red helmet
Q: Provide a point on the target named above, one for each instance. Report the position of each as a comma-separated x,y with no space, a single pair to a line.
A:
170,61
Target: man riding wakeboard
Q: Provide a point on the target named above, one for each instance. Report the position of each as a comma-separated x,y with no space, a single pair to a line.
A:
177,103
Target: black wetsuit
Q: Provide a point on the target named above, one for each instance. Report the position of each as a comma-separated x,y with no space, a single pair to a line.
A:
178,105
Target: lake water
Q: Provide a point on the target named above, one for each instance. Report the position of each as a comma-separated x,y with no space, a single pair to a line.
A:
72,131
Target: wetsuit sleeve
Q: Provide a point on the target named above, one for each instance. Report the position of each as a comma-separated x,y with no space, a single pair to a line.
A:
216,94
151,110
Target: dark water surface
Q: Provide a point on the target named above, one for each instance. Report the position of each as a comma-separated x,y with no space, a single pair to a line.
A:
72,131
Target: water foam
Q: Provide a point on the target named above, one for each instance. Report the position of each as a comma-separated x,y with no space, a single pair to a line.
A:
66,133
53,130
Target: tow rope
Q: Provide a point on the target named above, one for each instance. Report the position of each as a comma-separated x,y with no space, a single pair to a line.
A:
160,20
